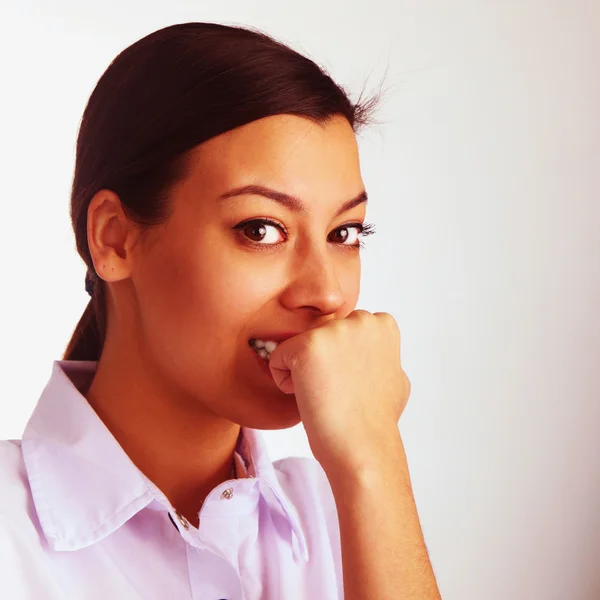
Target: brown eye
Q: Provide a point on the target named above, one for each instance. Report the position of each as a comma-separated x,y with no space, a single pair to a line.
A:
262,232
255,232
342,235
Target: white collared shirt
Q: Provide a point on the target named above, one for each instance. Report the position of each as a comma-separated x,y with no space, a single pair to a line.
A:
79,521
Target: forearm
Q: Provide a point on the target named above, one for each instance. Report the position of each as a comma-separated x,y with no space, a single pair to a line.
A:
383,550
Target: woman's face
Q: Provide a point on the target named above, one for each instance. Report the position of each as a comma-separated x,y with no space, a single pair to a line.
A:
217,275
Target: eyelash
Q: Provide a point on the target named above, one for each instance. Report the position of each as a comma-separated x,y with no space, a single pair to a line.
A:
364,230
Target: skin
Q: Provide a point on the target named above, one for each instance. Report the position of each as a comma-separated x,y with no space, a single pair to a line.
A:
350,401
185,298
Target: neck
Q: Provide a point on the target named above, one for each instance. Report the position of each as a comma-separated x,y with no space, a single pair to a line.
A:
182,447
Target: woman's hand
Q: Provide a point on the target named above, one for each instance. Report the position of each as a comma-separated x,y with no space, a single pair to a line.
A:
351,390
349,386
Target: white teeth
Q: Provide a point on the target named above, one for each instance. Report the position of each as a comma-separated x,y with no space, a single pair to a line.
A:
270,346
264,348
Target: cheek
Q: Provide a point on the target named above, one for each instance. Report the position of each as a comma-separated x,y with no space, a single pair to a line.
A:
349,281
205,295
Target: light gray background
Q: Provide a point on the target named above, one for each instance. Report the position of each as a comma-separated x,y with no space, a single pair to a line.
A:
484,180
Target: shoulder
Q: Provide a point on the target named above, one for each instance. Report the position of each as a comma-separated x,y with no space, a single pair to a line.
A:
308,492
306,486
20,542
13,477
17,514
303,476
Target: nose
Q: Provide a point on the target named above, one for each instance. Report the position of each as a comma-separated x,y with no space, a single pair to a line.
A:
314,285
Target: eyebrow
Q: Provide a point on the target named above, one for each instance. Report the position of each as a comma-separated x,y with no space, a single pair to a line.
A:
291,202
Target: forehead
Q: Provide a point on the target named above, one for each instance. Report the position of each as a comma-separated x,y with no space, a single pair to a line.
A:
316,162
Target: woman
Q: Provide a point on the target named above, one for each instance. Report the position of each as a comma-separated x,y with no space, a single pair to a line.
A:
218,204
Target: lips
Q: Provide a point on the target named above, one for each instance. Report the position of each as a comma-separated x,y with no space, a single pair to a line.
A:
274,336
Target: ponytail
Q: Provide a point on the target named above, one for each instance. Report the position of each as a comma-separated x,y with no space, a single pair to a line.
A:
87,340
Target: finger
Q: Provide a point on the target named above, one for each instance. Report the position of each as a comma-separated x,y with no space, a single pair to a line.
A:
280,365
283,379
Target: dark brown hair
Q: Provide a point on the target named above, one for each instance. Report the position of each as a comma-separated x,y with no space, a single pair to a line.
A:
162,96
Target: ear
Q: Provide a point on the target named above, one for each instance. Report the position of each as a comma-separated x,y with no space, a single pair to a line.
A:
111,237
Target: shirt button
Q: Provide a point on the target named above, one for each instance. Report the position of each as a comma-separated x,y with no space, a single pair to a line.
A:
227,494
185,523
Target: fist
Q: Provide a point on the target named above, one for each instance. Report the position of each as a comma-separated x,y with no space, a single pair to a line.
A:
349,385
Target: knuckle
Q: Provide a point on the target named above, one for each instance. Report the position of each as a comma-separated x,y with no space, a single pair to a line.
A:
314,340
388,321
361,314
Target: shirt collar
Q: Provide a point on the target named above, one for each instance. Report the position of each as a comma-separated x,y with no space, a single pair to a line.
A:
83,484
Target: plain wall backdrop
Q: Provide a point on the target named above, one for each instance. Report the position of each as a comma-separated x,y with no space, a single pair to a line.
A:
484,179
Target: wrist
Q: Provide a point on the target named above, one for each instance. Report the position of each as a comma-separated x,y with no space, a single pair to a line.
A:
364,468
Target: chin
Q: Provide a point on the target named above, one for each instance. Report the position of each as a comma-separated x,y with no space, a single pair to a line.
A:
271,424
270,414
